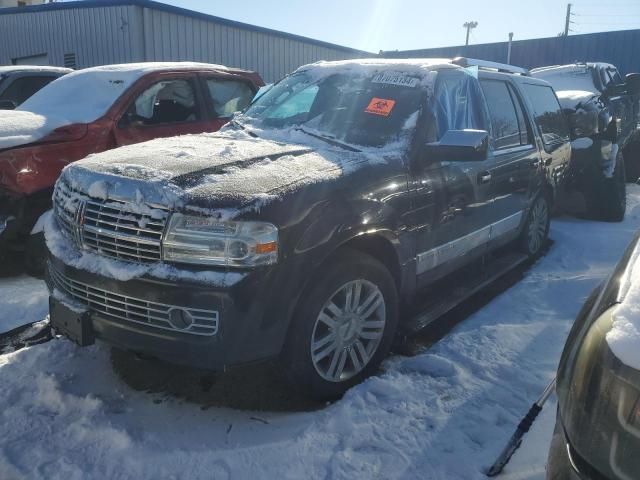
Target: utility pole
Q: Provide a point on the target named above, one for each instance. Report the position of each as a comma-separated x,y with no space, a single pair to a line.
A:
469,26
509,49
568,20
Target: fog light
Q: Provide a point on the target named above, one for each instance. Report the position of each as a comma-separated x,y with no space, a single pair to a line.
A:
180,319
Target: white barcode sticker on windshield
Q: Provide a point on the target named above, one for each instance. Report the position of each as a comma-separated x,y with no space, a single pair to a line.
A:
395,79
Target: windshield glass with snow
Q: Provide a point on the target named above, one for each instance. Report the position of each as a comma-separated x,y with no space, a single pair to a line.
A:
80,97
565,79
366,110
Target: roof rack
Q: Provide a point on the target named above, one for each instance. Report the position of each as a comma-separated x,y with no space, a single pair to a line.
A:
500,67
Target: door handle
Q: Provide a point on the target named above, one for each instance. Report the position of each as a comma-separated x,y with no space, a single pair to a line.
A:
484,177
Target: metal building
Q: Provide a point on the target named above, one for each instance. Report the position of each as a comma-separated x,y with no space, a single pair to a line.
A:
96,32
618,48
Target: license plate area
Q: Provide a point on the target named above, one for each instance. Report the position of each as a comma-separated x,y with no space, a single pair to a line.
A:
76,326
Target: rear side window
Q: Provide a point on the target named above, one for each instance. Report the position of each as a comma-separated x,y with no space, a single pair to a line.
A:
458,103
228,96
502,111
22,88
548,115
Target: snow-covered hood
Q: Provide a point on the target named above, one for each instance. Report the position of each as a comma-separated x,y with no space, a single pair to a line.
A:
573,98
21,127
207,171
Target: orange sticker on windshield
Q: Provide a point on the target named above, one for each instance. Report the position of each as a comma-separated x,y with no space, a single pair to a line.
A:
380,106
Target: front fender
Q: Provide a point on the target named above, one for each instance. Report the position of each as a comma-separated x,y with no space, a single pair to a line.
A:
342,224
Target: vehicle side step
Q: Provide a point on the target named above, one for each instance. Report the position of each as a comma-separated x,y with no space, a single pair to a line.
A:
450,294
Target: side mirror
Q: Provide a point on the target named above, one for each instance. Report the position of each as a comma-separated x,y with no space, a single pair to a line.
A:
460,146
7,105
632,82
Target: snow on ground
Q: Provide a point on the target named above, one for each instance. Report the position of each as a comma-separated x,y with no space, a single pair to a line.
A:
443,414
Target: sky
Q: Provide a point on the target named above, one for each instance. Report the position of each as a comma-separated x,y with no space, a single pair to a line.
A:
375,25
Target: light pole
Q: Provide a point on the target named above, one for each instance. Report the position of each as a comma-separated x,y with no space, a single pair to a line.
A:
469,26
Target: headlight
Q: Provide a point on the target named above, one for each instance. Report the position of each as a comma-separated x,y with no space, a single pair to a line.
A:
209,241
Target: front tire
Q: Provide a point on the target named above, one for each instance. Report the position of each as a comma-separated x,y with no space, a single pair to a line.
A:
343,326
535,234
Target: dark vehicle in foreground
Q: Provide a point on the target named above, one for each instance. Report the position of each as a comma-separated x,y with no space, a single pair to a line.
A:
597,434
19,82
604,113
346,194
94,110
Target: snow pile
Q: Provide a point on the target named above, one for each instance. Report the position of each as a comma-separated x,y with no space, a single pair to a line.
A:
624,336
443,414
79,97
19,128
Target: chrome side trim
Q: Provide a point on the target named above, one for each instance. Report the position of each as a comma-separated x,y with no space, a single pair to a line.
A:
506,151
506,225
442,254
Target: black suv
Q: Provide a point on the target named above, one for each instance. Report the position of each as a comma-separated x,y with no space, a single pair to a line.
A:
304,228
604,113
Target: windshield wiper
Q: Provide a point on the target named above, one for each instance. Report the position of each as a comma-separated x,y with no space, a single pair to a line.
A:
329,140
236,123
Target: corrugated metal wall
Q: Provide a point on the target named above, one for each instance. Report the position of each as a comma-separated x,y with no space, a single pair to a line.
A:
619,48
171,37
132,33
97,35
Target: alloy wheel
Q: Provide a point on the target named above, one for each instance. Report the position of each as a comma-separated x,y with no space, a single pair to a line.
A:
348,330
538,222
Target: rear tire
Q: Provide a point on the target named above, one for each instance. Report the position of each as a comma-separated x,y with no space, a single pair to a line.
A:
632,163
343,326
535,234
608,200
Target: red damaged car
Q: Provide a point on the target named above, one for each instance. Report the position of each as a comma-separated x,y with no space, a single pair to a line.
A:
98,109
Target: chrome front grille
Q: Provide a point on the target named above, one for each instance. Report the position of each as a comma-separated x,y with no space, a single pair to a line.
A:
129,309
111,228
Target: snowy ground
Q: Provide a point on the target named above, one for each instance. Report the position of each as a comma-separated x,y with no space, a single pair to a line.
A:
442,414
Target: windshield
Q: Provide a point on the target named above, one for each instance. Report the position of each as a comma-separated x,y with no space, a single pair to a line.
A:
80,97
367,110
571,78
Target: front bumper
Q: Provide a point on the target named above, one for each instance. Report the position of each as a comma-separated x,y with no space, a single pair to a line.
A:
250,322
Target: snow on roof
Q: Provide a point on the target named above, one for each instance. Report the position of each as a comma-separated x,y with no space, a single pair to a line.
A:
32,68
372,65
624,336
147,67
574,67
